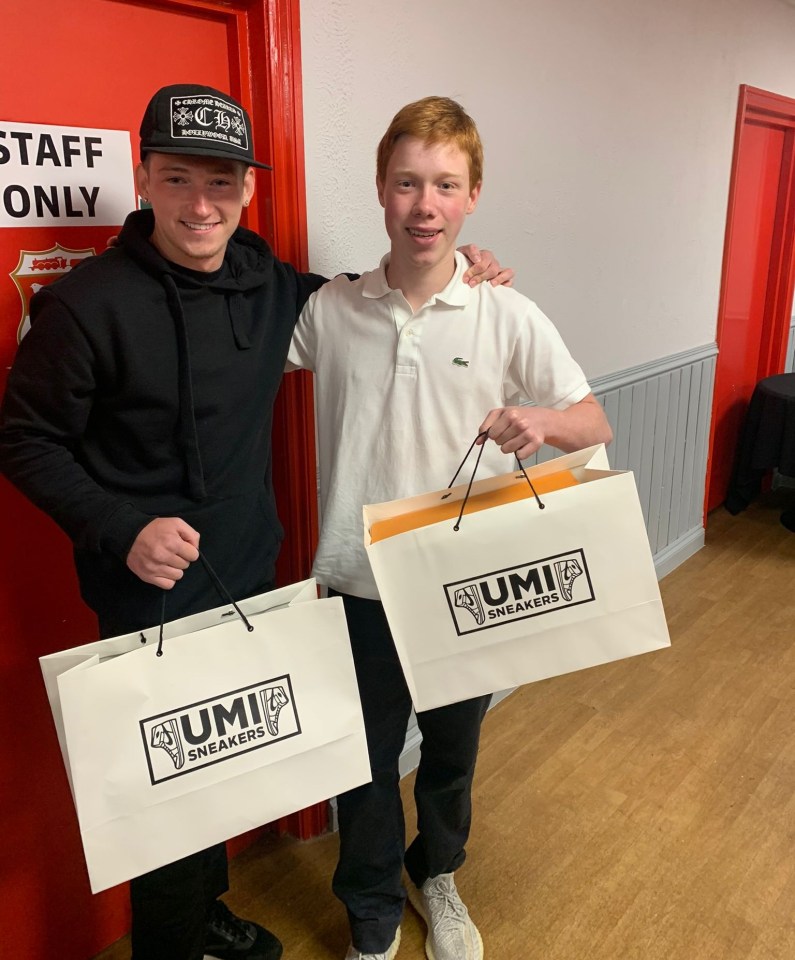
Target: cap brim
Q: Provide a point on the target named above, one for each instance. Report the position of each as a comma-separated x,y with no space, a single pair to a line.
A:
198,152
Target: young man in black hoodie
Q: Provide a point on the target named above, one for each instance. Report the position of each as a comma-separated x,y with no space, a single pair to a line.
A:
138,416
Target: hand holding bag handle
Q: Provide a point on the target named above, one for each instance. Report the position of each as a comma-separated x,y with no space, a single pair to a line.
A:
218,586
472,478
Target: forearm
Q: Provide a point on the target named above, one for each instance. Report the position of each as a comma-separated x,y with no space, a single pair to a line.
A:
523,429
581,425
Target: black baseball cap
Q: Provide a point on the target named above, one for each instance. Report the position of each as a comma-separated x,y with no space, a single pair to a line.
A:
199,121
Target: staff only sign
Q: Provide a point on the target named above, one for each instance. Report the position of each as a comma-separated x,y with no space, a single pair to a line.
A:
69,176
63,192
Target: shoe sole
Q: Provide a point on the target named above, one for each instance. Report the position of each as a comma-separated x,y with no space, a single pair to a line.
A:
209,956
416,901
272,956
392,952
393,949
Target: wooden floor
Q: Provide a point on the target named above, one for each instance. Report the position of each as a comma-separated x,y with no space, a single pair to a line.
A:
644,809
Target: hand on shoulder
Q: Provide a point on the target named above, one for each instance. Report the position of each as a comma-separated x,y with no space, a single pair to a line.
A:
485,266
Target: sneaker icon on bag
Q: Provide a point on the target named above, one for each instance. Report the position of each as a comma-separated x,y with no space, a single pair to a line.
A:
166,736
467,598
273,699
567,571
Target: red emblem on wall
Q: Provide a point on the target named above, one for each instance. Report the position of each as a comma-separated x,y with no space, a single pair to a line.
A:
36,268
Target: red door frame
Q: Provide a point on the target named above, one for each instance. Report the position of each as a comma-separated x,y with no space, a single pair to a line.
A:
757,105
780,110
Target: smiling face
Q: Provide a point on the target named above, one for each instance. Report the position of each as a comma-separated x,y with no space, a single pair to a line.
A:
197,203
426,196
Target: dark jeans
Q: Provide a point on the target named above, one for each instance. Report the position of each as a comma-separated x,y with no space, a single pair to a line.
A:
169,906
372,829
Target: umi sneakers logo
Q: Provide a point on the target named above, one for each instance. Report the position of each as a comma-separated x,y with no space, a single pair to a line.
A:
516,593
194,736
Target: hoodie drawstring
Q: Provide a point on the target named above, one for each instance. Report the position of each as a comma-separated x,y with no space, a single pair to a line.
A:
188,432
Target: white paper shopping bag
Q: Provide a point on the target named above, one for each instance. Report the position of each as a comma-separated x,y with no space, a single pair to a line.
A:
517,593
229,729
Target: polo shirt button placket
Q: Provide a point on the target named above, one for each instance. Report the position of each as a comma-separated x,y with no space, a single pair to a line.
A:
408,347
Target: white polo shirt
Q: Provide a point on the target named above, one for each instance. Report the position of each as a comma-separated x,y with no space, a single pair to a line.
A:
400,395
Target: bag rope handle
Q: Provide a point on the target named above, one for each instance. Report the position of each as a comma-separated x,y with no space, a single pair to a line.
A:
216,582
472,478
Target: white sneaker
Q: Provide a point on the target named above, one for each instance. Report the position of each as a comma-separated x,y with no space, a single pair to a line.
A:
451,933
354,954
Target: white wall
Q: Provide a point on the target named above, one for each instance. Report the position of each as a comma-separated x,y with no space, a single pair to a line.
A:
608,128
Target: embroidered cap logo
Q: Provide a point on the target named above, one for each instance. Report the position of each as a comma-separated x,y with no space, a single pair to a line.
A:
209,118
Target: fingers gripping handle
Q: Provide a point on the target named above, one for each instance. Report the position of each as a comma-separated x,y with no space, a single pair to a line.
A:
218,586
483,435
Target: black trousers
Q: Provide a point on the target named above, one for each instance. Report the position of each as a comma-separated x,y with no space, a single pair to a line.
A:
169,906
371,824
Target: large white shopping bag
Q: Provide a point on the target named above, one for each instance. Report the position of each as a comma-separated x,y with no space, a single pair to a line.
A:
229,729
514,593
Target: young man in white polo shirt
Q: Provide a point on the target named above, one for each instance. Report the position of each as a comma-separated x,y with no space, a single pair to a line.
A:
410,364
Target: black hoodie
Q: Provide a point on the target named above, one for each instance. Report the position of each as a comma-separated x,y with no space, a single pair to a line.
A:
145,390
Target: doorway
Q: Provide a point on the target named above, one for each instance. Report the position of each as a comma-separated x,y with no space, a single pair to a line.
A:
757,280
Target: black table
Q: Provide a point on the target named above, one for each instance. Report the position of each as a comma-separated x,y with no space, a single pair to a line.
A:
767,440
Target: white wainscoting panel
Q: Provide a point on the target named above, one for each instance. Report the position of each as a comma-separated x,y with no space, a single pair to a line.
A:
660,414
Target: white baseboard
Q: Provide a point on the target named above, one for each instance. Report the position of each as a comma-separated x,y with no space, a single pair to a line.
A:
681,549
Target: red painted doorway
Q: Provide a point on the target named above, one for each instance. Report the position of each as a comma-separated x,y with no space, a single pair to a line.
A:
96,63
757,282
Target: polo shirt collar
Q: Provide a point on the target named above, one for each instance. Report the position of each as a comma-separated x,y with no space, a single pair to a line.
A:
455,294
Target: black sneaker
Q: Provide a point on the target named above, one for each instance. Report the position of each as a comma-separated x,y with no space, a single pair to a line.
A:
230,938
